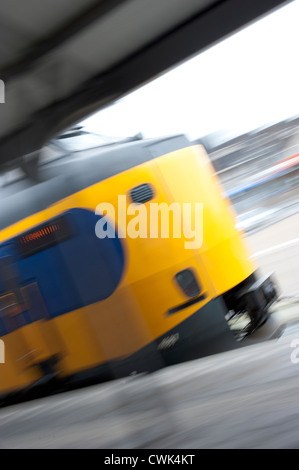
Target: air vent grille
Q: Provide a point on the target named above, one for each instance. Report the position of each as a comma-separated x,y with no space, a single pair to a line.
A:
141,194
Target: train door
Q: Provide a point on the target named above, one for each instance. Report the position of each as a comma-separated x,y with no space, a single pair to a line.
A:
23,314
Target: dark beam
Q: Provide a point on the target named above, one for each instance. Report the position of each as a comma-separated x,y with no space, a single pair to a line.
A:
190,38
48,44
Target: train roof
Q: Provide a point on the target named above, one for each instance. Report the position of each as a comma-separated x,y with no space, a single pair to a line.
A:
22,196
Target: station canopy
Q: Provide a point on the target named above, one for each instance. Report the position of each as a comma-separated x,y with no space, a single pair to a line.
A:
62,60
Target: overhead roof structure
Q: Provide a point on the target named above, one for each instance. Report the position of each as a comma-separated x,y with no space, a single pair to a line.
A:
61,60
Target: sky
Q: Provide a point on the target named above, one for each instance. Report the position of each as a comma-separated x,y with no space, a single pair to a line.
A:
244,82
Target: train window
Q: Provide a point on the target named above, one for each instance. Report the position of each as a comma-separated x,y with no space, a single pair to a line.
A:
11,311
34,302
8,304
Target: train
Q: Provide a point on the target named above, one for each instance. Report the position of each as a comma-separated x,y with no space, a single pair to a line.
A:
94,285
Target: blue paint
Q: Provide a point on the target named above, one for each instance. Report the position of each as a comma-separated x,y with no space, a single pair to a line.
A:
76,272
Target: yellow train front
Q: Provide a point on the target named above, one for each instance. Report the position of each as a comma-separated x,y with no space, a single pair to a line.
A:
94,284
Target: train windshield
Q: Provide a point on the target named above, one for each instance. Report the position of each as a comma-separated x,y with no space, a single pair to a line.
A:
78,139
58,151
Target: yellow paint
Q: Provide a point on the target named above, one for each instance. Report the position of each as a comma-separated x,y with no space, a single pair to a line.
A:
136,313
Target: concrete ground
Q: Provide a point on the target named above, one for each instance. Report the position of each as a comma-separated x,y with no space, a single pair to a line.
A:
246,398
276,249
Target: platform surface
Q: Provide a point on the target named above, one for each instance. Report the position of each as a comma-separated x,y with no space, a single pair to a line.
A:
240,399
